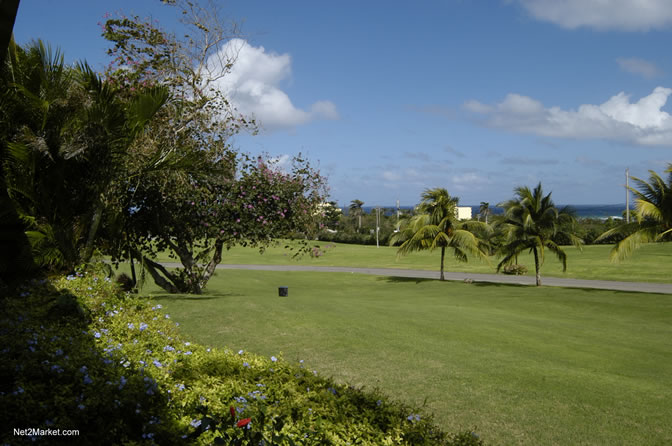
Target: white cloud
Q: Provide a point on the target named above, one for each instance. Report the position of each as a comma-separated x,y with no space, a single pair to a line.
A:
626,15
468,181
389,175
639,66
253,86
642,122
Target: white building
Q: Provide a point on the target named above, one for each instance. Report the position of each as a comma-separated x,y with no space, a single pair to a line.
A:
463,212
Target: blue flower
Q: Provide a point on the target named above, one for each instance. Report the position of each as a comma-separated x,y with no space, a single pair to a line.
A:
187,353
245,364
240,352
274,359
87,379
167,316
195,423
131,326
96,335
157,363
143,326
168,348
180,387
83,369
122,382
81,407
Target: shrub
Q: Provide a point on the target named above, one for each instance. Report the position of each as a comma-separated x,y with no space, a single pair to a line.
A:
515,270
114,366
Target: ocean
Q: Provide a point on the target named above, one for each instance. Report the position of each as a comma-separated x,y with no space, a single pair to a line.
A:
602,211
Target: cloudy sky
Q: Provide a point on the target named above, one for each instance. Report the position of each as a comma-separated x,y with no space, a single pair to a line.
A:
476,96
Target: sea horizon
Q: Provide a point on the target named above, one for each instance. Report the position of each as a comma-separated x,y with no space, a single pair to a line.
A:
602,211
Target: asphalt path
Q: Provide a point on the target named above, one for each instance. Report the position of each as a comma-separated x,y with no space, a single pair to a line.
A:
644,287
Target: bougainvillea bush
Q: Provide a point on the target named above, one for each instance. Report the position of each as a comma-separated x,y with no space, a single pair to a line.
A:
77,353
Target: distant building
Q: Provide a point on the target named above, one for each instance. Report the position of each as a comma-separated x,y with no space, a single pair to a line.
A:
463,212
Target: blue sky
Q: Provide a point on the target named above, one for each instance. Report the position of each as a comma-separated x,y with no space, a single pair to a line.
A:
475,96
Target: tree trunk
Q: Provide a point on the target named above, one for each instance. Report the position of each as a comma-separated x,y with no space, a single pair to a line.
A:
16,259
8,10
163,282
93,230
134,277
216,258
190,266
443,256
536,265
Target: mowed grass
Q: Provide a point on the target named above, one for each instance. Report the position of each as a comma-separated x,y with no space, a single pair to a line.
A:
523,365
651,263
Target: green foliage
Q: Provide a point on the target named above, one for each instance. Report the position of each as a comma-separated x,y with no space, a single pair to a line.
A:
436,226
515,270
653,203
78,353
215,198
67,140
531,222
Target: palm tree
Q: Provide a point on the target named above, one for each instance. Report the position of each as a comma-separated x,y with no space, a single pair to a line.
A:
75,135
532,220
356,211
435,225
484,210
653,203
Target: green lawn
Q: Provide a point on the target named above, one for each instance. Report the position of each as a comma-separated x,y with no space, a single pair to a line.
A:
522,365
651,263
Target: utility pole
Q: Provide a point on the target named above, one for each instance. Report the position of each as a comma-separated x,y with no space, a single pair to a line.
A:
377,225
398,215
627,195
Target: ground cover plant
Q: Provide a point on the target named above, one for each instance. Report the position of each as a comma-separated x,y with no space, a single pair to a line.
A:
648,264
78,354
524,365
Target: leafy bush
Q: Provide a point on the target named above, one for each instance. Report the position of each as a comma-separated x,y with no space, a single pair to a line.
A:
515,270
80,354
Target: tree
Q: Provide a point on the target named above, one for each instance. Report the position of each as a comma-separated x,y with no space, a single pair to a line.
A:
484,209
653,204
435,225
219,198
196,217
532,220
356,210
71,132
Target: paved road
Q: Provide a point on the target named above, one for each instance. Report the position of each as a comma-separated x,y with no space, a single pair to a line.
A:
493,278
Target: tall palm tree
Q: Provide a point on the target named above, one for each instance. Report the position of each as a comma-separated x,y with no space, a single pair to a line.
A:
436,225
532,220
356,210
484,210
653,203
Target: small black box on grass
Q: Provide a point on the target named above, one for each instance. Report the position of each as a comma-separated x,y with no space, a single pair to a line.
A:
283,291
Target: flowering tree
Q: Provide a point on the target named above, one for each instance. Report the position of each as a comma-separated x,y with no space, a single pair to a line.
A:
195,218
211,196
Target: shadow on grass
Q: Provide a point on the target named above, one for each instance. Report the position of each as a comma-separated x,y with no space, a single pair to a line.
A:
193,297
397,279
